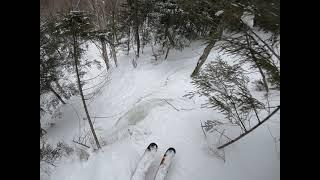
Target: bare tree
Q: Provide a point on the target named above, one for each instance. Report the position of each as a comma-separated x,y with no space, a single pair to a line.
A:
101,26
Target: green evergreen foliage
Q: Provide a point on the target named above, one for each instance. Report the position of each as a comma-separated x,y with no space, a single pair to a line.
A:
226,87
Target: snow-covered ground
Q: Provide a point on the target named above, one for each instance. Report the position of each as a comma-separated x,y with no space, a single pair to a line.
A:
137,106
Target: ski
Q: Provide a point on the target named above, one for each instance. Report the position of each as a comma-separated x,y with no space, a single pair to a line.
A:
145,162
165,164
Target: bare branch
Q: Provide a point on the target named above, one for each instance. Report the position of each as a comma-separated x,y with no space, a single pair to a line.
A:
244,134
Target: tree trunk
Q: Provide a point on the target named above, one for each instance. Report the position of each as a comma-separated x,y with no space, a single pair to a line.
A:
137,27
272,51
99,14
128,43
258,65
114,55
207,50
61,89
203,58
114,39
137,39
75,50
263,78
56,94
105,53
40,129
167,53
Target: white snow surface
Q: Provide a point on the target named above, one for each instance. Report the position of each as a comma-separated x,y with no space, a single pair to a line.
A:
137,106
248,19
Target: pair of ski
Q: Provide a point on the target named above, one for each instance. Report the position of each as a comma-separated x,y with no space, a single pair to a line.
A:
148,158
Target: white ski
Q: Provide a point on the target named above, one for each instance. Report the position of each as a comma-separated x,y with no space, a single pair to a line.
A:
165,164
145,162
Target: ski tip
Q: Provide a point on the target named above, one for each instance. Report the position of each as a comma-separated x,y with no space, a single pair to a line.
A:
171,149
152,145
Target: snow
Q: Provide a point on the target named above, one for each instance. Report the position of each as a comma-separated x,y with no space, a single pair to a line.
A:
218,13
137,106
248,18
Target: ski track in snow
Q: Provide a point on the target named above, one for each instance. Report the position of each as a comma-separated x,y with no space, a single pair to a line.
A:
146,105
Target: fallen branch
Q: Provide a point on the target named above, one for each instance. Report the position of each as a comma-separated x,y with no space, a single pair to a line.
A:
247,132
203,130
171,105
80,144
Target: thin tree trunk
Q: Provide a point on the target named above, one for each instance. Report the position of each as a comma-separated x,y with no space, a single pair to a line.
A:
153,53
75,50
167,53
137,27
114,36
274,53
207,50
114,55
57,95
96,6
105,53
247,132
61,89
137,39
258,65
128,43
203,58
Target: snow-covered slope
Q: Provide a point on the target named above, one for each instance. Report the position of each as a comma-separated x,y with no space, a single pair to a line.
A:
137,106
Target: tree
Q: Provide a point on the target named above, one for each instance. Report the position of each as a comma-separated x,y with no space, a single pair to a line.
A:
99,13
77,26
172,26
52,58
223,15
228,17
227,91
251,50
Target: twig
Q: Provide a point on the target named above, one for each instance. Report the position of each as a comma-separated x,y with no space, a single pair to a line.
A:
222,133
203,130
171,105
49,163
274,139
95,76
80,144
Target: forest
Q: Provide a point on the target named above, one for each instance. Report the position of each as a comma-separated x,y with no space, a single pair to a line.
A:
198,79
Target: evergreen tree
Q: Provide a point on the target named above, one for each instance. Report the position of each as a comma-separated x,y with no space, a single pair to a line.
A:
78,28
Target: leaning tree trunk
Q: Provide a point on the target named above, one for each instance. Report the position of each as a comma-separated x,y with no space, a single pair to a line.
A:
56,94
203,58
207,50
255,60
75,50
64,94
167,53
